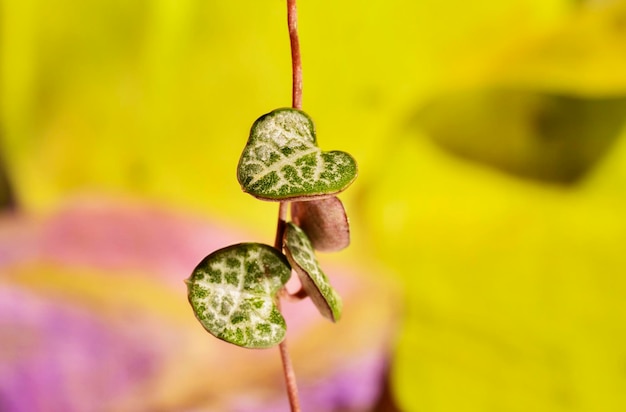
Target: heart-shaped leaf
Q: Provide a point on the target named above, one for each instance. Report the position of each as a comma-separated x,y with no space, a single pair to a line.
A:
281,160
232,293
324,221
302,257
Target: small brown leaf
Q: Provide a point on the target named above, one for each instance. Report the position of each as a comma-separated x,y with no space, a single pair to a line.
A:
324,221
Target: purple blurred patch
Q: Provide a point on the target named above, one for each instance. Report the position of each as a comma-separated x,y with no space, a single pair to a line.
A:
59,357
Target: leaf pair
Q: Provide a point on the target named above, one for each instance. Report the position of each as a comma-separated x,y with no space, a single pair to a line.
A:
233,291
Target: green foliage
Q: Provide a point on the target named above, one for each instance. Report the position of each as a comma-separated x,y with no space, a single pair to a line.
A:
232,292
281,160
302,257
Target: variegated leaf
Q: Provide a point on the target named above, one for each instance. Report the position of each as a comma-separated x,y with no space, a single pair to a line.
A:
232,294
302,257
281,160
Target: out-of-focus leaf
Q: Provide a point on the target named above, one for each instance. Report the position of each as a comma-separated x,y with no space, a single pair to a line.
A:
539,135
512,287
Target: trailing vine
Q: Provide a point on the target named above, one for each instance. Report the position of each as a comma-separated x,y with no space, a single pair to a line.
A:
235,292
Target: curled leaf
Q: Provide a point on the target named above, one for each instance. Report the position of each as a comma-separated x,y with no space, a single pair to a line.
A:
232,294
281,160
302,257
324,221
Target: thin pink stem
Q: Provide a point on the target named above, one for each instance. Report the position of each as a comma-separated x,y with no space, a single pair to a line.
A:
296,103
296,296
290,378
281,225
296,60
288,371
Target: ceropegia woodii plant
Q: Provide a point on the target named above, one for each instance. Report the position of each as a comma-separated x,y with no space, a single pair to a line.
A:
235,291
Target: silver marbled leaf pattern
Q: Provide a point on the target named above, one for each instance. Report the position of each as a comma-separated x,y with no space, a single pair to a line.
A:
316,284
232,294
281,160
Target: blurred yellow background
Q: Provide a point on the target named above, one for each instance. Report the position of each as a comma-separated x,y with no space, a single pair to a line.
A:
512,264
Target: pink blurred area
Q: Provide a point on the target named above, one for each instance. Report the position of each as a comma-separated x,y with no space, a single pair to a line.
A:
94,317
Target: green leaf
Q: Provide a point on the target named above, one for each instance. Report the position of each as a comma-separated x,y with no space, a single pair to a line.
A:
324,221
232,294
302,257
535,134
281,160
